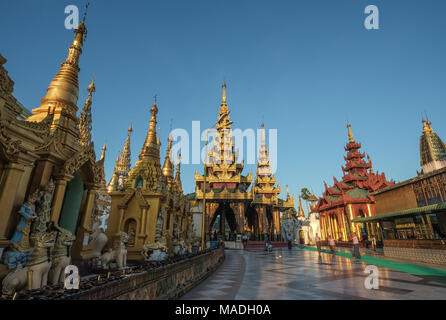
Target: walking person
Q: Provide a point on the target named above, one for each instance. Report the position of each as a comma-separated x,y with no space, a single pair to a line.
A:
356,253
318,243
289,238
245,240
374,243
332,244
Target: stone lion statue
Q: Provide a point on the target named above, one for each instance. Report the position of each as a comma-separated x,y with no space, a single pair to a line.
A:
118,254
15,281
156,251
99,239
40,261
61,255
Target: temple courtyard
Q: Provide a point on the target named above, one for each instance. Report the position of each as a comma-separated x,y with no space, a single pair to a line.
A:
301,273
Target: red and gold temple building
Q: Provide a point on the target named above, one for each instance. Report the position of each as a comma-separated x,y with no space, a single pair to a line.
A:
350,198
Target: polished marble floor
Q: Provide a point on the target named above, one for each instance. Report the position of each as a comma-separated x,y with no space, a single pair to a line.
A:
303,274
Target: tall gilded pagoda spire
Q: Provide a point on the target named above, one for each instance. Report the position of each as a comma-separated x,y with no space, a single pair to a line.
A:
85,117
150,146
168,164
63,91
104,148
301,213
264,187
350,133
178,174
263,164
223,97
432,149
123,164
222,150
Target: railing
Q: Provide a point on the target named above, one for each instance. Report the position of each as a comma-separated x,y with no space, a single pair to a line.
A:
151,280
418,244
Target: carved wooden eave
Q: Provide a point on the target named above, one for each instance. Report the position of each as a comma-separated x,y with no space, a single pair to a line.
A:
10,149
129,194
212,178
265,179
211,195
86,156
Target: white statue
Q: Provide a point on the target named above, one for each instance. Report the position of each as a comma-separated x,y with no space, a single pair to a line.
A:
61,256
15,281
118,254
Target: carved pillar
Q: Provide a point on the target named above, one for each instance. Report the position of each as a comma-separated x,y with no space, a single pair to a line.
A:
142,230
81,246
58,196
12,175
121,219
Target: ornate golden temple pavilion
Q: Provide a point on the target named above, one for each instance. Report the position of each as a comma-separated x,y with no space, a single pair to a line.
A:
228,200
147,201
47,158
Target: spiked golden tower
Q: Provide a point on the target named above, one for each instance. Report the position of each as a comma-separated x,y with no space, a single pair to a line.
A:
149,197
227,199
432,149
49,158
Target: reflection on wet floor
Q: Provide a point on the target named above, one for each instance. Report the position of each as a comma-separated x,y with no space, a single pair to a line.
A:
303,274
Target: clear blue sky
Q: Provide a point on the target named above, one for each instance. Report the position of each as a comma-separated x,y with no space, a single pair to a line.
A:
303,66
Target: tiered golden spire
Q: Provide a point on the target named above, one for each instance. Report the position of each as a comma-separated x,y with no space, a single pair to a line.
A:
85,117
350,133
223,97
178,174
263,165
150,146
104,148
168,165
123,163
63,91
301,213
371,166
223,121
432,149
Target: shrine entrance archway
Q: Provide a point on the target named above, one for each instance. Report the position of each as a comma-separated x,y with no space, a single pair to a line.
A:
223,224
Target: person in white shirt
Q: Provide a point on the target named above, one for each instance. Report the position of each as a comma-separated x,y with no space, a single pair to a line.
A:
332,244
318,243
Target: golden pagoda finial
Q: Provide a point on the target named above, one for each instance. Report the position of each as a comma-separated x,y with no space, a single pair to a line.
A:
63,91
85,117
178,173
432,149
350,133
301,210
425,127
123,162
371,167
104,148
168,165
151,133
159,136
223,98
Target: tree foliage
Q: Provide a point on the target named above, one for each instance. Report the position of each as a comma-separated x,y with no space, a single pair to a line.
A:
305,194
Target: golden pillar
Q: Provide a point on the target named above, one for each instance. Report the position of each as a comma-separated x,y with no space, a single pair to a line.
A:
81,248
58,196
12,175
